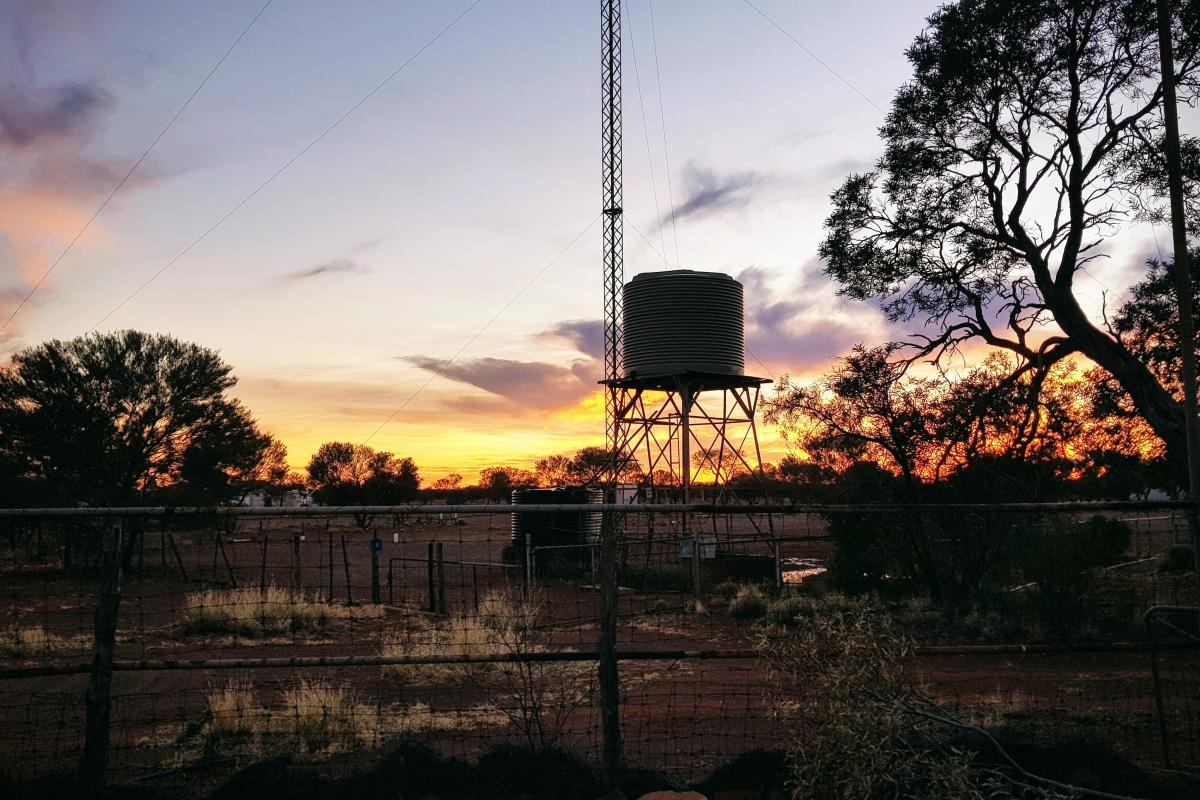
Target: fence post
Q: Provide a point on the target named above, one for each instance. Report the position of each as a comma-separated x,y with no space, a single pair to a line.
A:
224,557
778,565
262,569
330,537
608,678
98,699
441,580
429,579
178,557
296,575
697,590
376,546
346,563
528,564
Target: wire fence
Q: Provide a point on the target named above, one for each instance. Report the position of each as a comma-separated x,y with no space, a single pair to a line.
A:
331,635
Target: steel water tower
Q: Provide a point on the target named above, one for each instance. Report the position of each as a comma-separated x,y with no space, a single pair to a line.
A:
683,402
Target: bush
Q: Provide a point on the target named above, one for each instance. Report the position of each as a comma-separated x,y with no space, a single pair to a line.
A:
323,716
727,589
660,578
37,642
537,697
234,716
858,727
748,603
1061,562
251,612
787,610
1179,558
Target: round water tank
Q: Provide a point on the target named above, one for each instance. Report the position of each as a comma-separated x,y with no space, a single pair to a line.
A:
683,321
556,528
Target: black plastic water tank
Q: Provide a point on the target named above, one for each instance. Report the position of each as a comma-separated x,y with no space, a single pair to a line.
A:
559,527
683,320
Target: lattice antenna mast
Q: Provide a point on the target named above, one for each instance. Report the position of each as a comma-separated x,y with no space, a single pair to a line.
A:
614,255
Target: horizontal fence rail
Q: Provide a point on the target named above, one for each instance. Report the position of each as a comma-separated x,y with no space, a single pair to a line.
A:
628,508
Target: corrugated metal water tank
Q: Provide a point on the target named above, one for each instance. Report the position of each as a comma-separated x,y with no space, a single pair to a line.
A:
683,321
560,527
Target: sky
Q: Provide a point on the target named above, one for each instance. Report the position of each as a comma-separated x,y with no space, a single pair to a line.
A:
451,214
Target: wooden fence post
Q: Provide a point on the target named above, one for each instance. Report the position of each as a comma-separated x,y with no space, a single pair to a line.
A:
376,547
430,579
262,570
346,564
98,700
607,674
296,573
441,579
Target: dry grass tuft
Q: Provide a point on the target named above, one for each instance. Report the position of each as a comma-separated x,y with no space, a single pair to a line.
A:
250,612
36,641
749,603
537,697
233,710
326,717
319,719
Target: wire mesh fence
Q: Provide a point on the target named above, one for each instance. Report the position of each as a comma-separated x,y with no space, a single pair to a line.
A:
331,635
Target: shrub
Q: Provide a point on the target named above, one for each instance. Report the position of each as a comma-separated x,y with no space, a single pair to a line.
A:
251,612
234,716
36,641
659,578
537,697
748,603
1179,558
858,728
323,716
786,610
1061,562
727,589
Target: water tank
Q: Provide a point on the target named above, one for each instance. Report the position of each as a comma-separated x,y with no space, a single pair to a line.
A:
557,528
683,321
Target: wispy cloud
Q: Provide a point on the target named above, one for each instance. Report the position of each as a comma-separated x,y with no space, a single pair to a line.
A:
335,266
585,335
52,178
531,383
803,327
33,117
708,192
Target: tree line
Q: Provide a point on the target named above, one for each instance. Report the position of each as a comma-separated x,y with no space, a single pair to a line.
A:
132,418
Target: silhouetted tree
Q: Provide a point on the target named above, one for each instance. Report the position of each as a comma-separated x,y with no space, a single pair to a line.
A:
552,470
346,474
104,418
499,482
448,482
1028,135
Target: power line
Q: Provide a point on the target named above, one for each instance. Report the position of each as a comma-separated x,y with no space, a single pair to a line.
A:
136,164
814,56
480,332
290,161
662,118
637,82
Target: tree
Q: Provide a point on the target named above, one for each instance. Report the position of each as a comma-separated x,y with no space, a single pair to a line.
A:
499,482
105,418
724,463
552,470
448,482
1028,136
590,464
342,473
273,475
880,435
